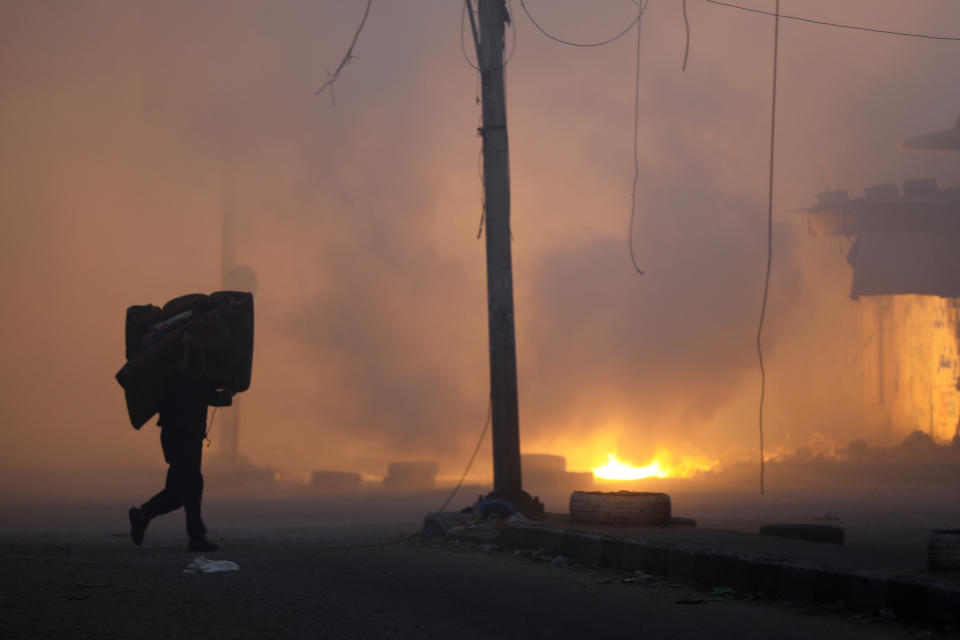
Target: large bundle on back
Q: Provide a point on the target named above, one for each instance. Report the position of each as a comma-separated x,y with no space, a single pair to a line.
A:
219,324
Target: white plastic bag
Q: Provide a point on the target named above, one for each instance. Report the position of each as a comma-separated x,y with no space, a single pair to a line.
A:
203,565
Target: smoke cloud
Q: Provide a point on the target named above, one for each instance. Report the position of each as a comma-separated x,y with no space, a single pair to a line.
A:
358,209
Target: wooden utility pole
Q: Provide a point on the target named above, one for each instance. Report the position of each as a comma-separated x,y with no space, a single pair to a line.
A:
507,475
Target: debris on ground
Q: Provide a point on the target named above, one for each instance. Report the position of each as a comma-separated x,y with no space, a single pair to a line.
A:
203,565
493,507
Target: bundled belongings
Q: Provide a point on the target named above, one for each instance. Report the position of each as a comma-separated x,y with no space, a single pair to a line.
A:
220,323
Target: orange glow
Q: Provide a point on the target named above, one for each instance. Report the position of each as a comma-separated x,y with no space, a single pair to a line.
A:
661,466
617,470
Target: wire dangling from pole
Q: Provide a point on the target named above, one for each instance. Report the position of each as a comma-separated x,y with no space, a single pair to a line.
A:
766,281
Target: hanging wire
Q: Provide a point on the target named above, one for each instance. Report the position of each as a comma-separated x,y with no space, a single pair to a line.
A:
483,194
472,457
347,58
686,47
523,5
766,281
636,150
834,24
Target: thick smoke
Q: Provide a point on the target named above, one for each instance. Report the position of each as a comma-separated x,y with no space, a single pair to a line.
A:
360,217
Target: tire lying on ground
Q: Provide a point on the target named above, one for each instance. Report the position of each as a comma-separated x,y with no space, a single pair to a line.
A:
621,507
943,550
809,532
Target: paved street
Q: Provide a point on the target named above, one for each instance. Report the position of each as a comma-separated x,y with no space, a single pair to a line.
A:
299,581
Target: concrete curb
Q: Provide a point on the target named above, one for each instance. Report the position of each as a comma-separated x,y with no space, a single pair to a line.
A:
915,598
922,597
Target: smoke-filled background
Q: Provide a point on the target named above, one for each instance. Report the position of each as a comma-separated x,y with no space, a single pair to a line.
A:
359,208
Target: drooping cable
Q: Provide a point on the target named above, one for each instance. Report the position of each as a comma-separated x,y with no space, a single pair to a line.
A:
686,24
834,24
766,280
472,457
636,149
347,58
580,44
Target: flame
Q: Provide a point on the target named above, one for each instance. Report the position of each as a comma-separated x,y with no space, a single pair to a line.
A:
660,467
617,470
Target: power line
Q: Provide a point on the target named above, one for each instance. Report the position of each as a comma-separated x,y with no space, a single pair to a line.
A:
636,150
348,57
766,281
834,24
581,44
686,47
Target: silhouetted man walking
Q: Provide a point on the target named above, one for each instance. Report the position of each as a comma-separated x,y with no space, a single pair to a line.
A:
183,426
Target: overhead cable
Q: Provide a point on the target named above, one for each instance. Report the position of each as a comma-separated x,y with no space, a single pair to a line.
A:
834,24
582,44
636,150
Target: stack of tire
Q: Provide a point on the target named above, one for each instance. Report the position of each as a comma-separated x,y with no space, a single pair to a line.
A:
156,337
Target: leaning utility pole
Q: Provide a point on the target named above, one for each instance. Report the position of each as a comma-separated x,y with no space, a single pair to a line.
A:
507,478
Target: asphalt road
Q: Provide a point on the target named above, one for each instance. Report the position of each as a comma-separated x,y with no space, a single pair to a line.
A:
326,581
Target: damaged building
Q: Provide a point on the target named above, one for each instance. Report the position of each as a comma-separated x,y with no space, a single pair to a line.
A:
906,276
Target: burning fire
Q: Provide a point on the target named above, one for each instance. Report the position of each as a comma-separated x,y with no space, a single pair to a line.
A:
616,470
660,467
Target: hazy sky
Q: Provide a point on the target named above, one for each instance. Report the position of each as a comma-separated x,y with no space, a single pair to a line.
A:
360,219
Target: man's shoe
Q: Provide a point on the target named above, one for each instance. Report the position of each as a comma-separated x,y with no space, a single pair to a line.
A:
138,525
201,544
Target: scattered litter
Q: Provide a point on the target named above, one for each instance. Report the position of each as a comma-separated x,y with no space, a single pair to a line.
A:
517,517
721,591
690,601
630,580
203,565
560,560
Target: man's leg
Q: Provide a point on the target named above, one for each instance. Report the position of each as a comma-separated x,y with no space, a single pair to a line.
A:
193,496
164,502
170,497
192,486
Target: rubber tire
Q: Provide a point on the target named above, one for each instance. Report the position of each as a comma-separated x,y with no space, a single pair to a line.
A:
827,533
678,521
622,507
943,550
